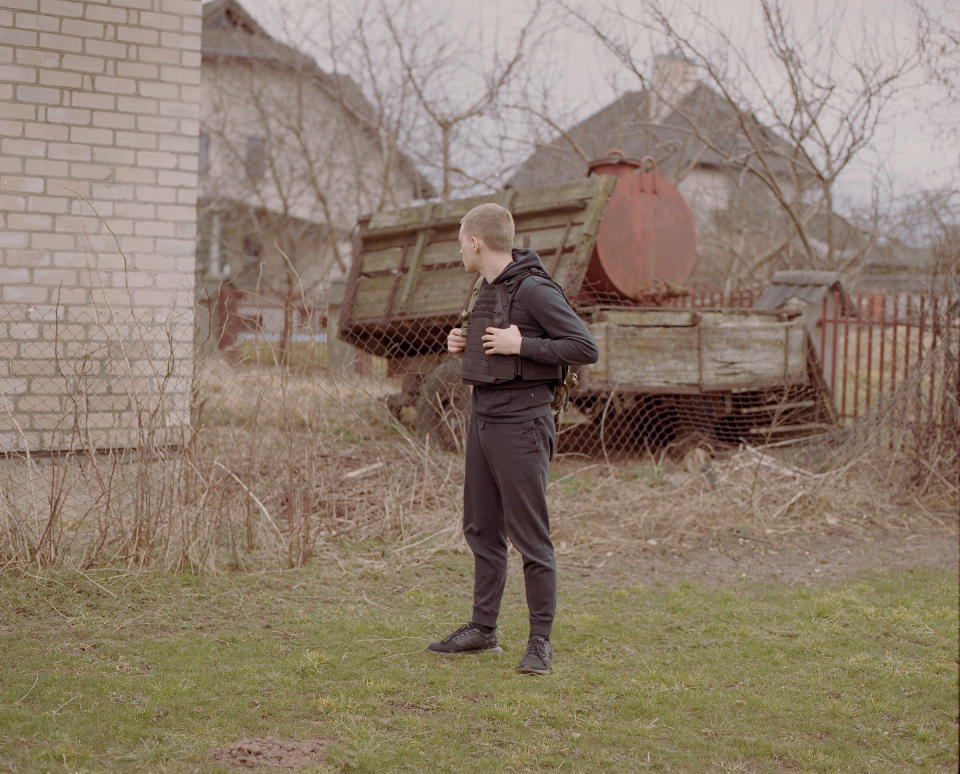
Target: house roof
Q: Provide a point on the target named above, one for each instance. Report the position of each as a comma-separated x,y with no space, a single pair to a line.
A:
807,286
894,255
230,32
228,15
671,141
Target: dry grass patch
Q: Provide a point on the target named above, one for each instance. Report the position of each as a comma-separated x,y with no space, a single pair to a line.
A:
285,468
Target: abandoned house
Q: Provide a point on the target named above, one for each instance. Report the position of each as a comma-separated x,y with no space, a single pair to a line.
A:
290,157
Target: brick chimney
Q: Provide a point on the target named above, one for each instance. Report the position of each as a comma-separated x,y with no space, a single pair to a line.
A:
672,78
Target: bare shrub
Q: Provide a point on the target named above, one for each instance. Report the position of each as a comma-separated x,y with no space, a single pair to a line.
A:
287,465
280,465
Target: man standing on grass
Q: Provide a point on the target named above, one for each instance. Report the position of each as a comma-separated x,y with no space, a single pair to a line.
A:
521,333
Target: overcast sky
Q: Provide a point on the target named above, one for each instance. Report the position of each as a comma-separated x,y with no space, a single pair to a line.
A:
911,141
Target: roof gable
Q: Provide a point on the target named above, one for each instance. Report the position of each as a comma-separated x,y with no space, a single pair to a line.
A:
671,140
230,15
808,287
231,33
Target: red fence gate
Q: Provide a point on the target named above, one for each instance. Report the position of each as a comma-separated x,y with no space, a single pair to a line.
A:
883,341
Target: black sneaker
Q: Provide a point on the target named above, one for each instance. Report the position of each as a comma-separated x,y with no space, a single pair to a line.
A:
467,639
536,661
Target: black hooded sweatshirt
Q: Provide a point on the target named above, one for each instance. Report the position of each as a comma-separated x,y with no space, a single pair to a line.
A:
552,333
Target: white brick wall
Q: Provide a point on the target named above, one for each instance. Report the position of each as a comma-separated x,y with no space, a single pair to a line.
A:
98,186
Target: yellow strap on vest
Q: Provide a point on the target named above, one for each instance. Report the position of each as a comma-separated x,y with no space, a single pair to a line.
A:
465,314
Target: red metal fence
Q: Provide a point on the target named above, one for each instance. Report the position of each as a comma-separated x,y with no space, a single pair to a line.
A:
883,341
874,342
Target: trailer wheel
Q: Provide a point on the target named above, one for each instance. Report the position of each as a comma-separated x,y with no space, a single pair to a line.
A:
442,406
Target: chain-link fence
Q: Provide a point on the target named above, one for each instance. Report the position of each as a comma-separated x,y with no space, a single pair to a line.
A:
796,376
288,421
293,446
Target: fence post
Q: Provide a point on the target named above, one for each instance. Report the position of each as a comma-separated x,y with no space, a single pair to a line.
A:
883,340
846,344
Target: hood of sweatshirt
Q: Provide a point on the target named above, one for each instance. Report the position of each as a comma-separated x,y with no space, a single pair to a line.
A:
523,259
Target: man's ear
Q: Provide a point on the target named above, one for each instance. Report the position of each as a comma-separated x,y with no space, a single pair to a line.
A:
476,244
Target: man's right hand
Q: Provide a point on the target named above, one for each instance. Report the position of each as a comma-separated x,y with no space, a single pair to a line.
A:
456,340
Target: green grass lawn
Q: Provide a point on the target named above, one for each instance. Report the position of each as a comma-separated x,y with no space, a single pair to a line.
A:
133,672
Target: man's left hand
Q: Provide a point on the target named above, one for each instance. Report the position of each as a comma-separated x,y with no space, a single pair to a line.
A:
502,341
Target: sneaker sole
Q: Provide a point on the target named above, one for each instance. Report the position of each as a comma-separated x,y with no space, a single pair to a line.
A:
527,671
494,651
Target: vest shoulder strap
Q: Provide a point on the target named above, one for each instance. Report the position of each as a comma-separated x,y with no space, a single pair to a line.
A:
465,314
511,286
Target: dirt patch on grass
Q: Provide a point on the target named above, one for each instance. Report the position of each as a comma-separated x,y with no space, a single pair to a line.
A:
270,753
806,560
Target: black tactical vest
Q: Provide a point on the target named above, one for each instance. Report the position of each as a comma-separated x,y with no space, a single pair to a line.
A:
492,309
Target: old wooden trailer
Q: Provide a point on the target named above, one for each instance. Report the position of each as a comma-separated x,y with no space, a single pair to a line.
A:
619,243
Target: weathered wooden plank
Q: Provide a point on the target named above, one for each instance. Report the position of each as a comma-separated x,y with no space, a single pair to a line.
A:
543,233
518,202
666,357
382,241
434,254
445,254
382,260
439,292
708,357
433,294
574,270
373,290
404,217
804,427
582,189
777,407
657,316
414,261
447,230
547,219
449,212
746,353
543,237
372,296
454,210
736,316
654,318
439,253
546,240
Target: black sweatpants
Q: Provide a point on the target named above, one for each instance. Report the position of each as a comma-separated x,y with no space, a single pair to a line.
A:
505,496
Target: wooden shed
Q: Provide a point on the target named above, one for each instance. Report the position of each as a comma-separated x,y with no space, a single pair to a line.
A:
816,295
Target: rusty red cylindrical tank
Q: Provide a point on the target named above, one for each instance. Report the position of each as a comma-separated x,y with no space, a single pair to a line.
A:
646,234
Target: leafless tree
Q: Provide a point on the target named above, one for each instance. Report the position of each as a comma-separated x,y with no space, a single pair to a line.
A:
926,218
441,90
295,154
938,38
794,107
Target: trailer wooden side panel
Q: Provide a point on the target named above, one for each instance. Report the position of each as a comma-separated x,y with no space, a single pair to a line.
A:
631,356
694,353
407,262
437,293
373,294
750,352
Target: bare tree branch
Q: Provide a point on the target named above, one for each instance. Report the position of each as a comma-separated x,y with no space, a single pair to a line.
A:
821,105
